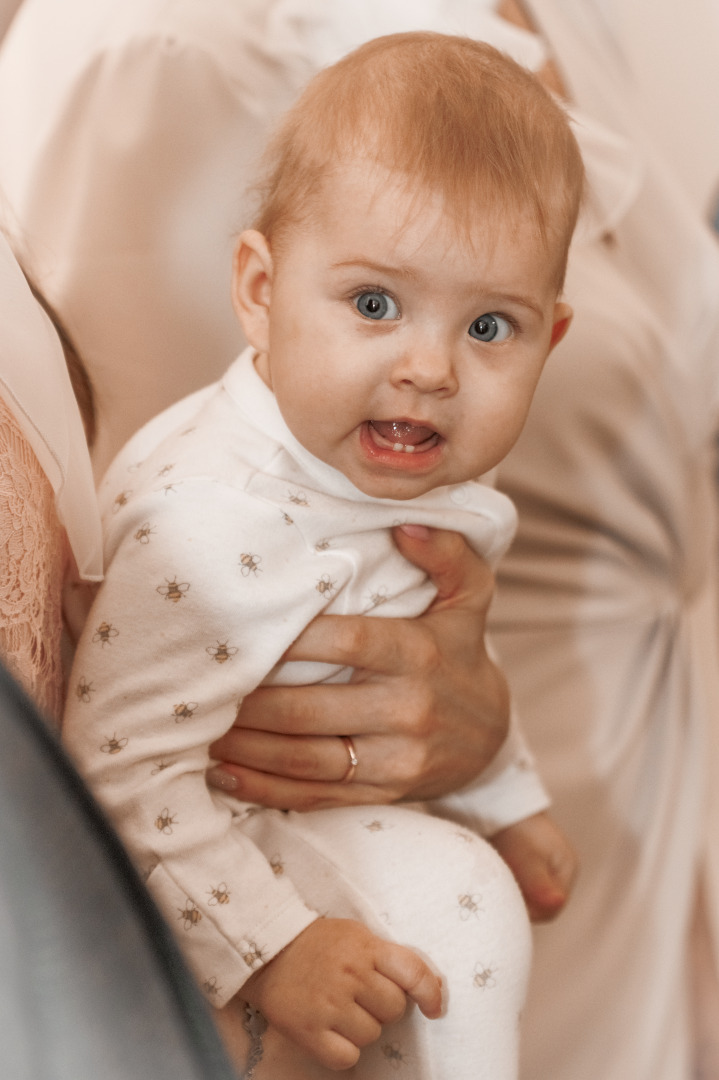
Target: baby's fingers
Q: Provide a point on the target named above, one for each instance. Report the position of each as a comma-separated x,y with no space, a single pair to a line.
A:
414,976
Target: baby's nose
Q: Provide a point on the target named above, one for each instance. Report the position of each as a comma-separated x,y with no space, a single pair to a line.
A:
430,369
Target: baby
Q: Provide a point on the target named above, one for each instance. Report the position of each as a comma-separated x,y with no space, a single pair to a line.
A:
400,295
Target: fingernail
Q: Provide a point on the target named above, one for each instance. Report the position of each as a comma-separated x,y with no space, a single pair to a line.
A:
419,532
218,778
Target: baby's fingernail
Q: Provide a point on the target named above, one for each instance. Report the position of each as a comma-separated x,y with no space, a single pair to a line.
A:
419,532
218,778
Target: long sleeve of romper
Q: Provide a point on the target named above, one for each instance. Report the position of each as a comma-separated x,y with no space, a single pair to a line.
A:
196,609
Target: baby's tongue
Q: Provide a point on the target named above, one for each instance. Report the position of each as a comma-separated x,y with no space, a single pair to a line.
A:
398,432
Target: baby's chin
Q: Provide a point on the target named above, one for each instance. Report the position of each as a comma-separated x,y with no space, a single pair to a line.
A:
402,488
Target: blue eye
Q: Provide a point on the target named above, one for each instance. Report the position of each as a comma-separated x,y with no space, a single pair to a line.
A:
490,328
376,305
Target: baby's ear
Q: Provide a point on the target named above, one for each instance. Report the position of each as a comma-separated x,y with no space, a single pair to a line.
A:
252,287
561,322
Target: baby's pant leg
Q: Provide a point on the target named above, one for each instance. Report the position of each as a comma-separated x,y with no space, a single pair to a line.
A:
431,885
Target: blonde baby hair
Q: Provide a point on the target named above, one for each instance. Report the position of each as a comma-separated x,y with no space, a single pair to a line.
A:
452,115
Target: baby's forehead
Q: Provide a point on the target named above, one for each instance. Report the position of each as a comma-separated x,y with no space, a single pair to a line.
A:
397,203
374,227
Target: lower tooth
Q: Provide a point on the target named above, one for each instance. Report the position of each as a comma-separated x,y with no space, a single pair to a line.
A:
409,449
398,447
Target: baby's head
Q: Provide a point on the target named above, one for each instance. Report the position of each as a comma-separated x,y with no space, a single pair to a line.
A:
401,283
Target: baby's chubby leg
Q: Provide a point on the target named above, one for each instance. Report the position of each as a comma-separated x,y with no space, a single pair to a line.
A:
431,885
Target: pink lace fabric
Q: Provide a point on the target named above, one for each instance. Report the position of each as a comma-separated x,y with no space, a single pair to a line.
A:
33,557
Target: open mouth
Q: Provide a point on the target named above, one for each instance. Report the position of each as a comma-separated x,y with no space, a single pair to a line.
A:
402,436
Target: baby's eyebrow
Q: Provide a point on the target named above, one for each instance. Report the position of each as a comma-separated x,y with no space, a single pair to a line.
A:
409,273
522,301
359,262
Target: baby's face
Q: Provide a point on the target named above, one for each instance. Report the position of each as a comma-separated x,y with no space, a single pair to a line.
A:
400,356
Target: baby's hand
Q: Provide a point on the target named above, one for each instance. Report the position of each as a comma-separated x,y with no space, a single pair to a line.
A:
333,987
543,862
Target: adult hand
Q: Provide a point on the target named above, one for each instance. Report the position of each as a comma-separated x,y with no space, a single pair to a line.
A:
426,709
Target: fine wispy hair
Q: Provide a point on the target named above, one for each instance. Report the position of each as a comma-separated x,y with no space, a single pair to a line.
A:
450,115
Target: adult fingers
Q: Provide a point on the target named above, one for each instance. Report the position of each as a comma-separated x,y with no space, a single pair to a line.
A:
279,793
404,750
386,771
356,641
459,575
297,757
358,708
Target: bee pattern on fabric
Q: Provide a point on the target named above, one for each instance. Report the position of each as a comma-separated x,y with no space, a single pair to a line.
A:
219,895
278,867
250,564
468,905
393,1054
164,471
298,498
374,826
380,596
210,987
173,590
144,533
160,766
483,977
190,915
120,501
105,633
325,586
114,745
322,545
84,690
221,651
287,519
165,820
184,711
254,956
